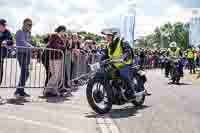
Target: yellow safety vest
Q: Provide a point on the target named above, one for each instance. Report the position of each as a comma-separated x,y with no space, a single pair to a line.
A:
118,54
174,54
190,53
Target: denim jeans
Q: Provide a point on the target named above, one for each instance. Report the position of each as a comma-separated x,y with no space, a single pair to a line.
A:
1,69
24,59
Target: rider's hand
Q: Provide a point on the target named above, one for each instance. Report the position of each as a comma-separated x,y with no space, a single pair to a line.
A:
121,60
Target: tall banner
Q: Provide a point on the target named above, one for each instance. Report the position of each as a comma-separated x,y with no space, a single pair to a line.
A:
194,31
127,28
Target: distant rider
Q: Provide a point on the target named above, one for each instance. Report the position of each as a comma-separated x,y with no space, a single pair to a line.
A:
173,53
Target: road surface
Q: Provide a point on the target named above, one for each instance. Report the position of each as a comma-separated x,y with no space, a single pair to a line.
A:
171,109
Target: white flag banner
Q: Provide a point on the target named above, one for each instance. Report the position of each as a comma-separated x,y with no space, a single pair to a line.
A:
194,34
127,28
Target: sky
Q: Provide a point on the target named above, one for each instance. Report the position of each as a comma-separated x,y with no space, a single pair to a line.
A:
91,15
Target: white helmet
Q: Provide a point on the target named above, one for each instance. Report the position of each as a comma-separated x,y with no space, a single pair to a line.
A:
173,45
111,31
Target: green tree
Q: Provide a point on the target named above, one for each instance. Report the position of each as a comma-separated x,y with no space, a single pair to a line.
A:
167,33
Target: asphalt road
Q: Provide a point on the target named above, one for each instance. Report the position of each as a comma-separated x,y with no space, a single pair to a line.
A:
171,109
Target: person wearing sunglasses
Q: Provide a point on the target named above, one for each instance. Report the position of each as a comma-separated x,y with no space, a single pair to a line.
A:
23,43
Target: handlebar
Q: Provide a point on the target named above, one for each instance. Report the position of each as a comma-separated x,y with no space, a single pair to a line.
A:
107,61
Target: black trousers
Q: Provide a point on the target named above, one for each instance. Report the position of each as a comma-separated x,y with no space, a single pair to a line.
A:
167,68
191,65
1,69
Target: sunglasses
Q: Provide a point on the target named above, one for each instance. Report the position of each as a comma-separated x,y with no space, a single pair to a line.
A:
29,24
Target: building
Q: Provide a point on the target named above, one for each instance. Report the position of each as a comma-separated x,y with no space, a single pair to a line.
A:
194,31
127,28
192,17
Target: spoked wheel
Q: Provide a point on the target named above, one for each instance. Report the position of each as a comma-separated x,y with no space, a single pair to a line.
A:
99,96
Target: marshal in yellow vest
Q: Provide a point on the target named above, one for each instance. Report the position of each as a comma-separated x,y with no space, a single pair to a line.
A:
118,54
174,54
190,53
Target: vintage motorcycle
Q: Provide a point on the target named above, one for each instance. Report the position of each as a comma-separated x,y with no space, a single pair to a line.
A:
109,91
175,70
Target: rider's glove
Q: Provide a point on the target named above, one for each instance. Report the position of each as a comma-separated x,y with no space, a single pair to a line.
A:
121,60
108,68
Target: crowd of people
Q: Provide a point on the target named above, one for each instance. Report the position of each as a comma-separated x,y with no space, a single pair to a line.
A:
149,58
75,45
58,42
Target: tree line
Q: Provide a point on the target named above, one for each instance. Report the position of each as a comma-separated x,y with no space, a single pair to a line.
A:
167,33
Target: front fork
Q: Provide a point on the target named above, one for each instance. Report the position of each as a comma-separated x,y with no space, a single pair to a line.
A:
139,86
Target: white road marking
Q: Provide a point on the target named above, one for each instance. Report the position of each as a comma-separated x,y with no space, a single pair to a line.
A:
107,125
138,115
104,128
37,123
100,120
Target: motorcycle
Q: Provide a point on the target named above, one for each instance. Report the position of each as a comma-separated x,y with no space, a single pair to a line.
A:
101,90
175,71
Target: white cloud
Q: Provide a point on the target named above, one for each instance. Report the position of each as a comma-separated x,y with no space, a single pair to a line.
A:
90,15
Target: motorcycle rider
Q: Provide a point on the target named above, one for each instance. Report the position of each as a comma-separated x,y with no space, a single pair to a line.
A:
173,53
190,54
118,48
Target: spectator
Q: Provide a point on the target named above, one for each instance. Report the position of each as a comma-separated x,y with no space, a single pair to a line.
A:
142,58
56,62
5,40
75,41
66,42
75,51
45,60
23,39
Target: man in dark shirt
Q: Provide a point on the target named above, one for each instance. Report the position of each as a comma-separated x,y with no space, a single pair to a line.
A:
5,41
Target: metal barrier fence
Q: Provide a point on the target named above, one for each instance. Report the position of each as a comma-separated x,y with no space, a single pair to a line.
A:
26,67
31,67
77,65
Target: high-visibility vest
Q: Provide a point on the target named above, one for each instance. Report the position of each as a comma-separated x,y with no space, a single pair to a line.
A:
118,54
190,53
174,54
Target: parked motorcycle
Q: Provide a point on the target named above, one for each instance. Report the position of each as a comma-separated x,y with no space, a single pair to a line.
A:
105,91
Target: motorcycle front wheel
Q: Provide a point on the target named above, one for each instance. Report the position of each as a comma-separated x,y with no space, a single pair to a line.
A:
98,93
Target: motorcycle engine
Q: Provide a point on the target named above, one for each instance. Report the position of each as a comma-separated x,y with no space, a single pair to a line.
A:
117,93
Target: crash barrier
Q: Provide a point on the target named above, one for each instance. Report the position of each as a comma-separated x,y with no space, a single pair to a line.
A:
35,66
29,67
77,65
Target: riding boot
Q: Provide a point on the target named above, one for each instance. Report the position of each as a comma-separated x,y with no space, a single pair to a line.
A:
130,91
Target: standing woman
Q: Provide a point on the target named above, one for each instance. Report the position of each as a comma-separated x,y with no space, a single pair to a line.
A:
23,43
56,62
